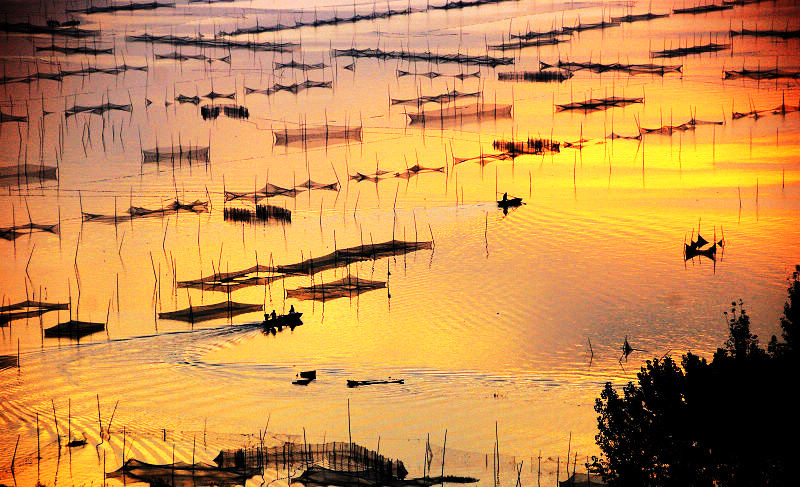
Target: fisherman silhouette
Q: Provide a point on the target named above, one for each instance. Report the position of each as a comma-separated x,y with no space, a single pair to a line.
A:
291,309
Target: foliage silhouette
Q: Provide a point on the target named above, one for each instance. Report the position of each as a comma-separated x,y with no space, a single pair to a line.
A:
727,422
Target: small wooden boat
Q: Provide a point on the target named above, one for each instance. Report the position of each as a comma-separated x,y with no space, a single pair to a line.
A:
305,377
509,203
74,329
289,319
359,383
308,374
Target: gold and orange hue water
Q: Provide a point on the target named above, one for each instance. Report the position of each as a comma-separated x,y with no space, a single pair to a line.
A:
490,327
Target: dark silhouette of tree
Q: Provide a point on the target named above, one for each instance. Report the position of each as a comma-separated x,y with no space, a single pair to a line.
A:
741,343
645,433
790,319
731,422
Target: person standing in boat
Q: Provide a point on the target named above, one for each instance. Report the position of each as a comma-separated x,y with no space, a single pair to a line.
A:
291,310
505,197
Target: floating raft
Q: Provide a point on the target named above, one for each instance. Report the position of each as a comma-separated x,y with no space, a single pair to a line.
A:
317,475
97,109
343,257
356,17
211,43
28,171
301,66
434,74
7,118
702,9
632,69
182,474
603,24
12,233
530,146
759,74
8,362
359,383
781,34
379,175
345,287
336,456
427,56
172,154
474,110
231,111
263,213
685,51
124,7
224,281
139,212
536,76
520,43
293,88
28,309
194,100
447,97
50,29
692,124
326,132
599,103
89,51
74,329
211,311
638,17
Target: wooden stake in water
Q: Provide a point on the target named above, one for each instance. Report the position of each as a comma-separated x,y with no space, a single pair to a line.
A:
569,447
14,457
55,420
444,450
539,470
99,421
349,434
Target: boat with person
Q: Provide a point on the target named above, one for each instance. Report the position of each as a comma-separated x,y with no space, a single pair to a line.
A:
290,319
506,202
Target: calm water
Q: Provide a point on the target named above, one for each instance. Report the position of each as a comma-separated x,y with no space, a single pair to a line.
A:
490,327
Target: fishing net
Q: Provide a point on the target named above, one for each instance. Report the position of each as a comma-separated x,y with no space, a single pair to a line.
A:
225,309
325,132
28,309
474,110
172,154
346,287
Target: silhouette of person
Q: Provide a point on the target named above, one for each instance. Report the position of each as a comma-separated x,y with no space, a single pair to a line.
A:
291,309
273,314
505,197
